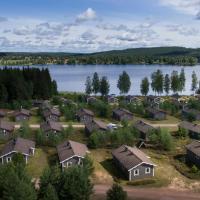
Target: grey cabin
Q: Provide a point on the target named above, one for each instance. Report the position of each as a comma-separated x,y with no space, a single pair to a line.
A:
51,127
71,153
22,115
144,129
156,114
193,153
18,145
191,112
193,129
95,125
85,115
133,163
52,114
6,129
121,114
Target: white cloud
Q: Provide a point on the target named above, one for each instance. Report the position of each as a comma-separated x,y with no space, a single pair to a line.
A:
3,19
89,14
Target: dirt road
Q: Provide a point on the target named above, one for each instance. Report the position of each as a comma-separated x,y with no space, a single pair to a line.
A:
148,193
37,126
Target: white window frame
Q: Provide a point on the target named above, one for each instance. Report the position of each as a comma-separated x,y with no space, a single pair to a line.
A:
8,159
147,170
136,172
69,164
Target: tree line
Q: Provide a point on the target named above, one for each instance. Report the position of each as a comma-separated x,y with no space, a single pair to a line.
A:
26,84
159,83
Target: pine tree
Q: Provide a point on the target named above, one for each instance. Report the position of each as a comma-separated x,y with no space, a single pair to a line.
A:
175,82
182,80
157,81
95,83
116,193
194,81
167,84
104,86
144,87
124,83
50,193
88,86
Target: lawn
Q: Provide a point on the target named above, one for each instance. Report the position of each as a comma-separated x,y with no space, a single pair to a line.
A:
37,163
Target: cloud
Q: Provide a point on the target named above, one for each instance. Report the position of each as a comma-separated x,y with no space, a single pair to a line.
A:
191,7
88,15
88,35
3,19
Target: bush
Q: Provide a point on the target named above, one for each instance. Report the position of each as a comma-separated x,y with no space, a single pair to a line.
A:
116,193
182,132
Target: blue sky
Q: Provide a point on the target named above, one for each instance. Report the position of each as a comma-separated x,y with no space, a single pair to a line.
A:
97,25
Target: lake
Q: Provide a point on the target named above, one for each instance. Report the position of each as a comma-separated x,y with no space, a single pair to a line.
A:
72,78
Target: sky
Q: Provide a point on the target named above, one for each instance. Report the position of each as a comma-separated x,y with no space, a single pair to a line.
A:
97,25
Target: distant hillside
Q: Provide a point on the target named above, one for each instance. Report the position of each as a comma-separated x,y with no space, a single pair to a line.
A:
155,55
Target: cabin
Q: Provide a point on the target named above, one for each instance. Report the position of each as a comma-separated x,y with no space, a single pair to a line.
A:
6,129
37,103
111,99
144,129
154,101
121,114
133,163
45,105
18,145
85,115
71,153
187,112
51,127
52,114
133,100
156,114
193,153
2,114
22,115
193,129
95,125
91,100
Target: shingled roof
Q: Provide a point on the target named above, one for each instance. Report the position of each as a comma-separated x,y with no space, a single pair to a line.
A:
69,149
143,127
22,112
51,126
190,126
96,124
52,111
19,145
8,126
130,157
155,111
194,147
84,111
121,112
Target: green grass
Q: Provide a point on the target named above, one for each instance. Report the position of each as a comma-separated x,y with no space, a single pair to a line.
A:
37,163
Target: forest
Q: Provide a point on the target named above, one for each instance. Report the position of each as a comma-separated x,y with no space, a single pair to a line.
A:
26,84
158,55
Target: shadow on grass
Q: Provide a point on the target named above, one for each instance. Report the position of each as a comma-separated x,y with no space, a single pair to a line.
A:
114,171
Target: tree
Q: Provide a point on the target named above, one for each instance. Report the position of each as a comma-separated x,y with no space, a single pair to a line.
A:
104,86
182,80
167,84
157,81
194,81
144,87
116,193
175,82
95,83
50,193
3,93
124,83
88,86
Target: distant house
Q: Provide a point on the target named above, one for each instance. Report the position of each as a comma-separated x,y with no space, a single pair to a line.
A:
45,105
95,125
156,114
111,99
52,114
91,100
154,101
67,101
193,129
178,104
121,114
18,145
37,103
51,127
191,112
144,129
133,100
85,115
2,114
6,129
71,153
22,115
193,153
133,163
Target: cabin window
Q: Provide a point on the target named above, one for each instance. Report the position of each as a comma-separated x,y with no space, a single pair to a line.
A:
147,170
8,159
47,135
136,172
69,164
